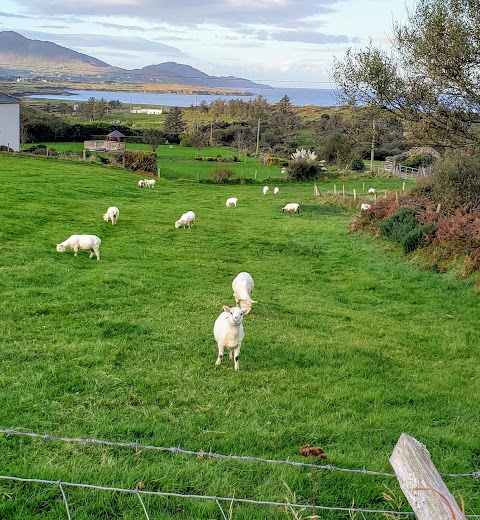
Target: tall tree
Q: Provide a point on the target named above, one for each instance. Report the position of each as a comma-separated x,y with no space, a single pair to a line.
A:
154,138
431,78
174,124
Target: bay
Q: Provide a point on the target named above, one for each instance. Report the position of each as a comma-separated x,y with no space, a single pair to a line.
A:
321,97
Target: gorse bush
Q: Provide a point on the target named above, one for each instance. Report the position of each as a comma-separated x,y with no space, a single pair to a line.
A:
136,160
416,238
221,174
357,165
398,225
303,170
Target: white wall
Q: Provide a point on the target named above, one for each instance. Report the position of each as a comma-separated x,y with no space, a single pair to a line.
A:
10,125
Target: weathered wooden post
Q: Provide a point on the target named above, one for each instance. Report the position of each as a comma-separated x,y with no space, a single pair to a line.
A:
343,190
403,186
385,196
316,193
421,483
158,172
363,187
335,190
354,195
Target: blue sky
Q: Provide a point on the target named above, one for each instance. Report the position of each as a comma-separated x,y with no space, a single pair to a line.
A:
280,42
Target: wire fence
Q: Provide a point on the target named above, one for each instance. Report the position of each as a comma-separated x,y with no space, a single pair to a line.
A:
217,499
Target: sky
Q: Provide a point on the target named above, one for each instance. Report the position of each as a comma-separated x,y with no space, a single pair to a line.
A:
288,43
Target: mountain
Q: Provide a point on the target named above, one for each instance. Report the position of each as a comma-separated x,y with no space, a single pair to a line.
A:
20,56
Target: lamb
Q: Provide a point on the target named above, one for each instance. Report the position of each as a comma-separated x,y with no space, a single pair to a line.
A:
242,286
232,201
275,190
112,214
141,183
265,190
372,191
364,207
149,183
83,242
228,332
292,207
186,220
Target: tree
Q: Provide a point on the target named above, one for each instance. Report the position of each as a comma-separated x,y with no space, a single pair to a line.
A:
197,139
431,79
154,138
284,123
174,124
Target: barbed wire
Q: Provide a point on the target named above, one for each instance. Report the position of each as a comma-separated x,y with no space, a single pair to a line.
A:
201,454
216,499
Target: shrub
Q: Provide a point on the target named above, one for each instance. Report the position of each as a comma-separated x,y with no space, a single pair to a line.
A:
398,225
416,161
276,161
357,165
137,160
303,170
416,237
221,174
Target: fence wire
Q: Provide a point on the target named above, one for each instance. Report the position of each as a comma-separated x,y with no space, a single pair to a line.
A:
202,454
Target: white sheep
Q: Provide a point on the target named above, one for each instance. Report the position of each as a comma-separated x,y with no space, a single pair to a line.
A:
372,191
276,190
83,242
242,286
141,183
232,201
265,190
112,214
228,333
364,207
149,183
293,207
186,220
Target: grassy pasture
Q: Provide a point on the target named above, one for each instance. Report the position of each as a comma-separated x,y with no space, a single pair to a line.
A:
349,346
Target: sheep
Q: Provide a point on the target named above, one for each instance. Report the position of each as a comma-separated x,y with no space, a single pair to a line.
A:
371,190
112,214
292,207
141,183
228,332
265,190
364,207
186,220
275,190
242,286
232,201
83,242
149,183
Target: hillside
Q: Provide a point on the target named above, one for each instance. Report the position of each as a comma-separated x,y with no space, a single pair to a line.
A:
20,56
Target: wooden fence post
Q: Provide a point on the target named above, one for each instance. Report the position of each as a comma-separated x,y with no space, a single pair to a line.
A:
421,483
354,195
316,193
335,190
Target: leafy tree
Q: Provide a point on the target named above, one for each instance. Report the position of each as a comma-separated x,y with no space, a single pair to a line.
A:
284,123
154,138
197,139
174,124
431,79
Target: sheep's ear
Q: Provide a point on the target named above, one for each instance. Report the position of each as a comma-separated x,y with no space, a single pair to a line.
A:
246,311
226,309
254,301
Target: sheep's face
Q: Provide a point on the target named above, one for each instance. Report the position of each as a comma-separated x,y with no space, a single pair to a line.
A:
178,223
61,248
236,313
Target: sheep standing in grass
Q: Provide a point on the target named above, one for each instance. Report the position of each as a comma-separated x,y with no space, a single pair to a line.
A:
141,183
112,214
372,191
365,207
149,183
265,190
83,242
276,190
186,220
242,286
232,201
293,207
228,333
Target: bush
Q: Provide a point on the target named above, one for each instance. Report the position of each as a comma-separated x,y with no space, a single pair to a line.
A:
221,174
276,161
303,170
136,160
397,226
416,237
357,165
416,161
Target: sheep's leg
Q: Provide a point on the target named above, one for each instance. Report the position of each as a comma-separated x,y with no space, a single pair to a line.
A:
236,354
220,355
230,354
75,250
92,251
97,253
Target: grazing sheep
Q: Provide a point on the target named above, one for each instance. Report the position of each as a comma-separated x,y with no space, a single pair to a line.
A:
112,214
228,333
149,183
275,190
141,183
242,286
265,190
186,220
293,207
83,242
232,201
364,207
372,191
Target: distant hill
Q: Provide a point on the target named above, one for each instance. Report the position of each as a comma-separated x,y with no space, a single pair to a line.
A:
22,56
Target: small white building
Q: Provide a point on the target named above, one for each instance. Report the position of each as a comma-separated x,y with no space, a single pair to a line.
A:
151,111
9,122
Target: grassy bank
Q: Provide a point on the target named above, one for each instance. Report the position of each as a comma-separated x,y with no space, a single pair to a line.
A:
349,346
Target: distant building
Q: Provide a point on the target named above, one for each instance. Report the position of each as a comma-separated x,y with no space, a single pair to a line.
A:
115,141
138,110
9,122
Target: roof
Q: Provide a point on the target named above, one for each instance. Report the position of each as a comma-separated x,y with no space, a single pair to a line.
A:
115,133
4,99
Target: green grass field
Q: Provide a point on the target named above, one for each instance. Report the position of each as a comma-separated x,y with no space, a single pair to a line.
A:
348,346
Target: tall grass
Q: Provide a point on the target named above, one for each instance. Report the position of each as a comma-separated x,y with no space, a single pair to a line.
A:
349,346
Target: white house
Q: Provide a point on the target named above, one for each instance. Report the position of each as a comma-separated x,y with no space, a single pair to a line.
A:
151,111
9,122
